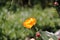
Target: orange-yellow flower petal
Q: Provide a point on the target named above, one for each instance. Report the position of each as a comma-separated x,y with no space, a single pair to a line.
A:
29,22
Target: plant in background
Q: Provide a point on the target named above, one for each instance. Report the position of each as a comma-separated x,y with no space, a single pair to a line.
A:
14,27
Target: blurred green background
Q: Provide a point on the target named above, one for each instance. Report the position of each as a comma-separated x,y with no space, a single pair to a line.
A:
14,12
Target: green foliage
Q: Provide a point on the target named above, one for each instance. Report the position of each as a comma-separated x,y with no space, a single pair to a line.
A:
11,23
12,16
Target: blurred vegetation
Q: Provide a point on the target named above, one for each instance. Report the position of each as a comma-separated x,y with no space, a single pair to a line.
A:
14,12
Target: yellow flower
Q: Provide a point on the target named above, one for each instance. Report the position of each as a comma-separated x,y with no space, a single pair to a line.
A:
29,23
51,39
